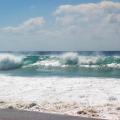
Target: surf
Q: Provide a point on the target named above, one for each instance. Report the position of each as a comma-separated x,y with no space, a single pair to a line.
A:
63,63
9,61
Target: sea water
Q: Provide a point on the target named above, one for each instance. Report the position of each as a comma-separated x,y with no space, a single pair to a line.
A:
69,64
64,82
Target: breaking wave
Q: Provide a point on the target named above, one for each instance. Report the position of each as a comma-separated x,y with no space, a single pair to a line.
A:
59,61
8,62
70,59
79,61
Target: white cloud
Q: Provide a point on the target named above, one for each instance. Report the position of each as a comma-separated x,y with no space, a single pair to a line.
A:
89,7
27,25
90,18
34,21
91,23
90,26
91,12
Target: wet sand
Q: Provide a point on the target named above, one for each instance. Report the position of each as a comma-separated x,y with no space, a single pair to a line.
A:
9,114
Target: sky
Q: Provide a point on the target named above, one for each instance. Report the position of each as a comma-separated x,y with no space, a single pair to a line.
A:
59,25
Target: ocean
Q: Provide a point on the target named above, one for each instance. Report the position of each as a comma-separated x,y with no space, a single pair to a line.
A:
63,82
69,64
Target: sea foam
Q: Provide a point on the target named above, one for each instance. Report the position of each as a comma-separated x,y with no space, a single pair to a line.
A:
9,61
70,58
62,94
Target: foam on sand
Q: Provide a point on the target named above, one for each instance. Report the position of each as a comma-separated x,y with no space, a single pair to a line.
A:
93,97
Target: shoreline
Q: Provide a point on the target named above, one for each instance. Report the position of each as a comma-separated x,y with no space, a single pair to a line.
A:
12,114
87,97
66,109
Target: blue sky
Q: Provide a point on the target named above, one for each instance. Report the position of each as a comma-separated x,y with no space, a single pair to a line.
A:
15,11
54,23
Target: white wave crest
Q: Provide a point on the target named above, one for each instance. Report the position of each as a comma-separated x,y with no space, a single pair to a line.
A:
70,58
9,61
59,61
113,65
47,63
73,59
88,60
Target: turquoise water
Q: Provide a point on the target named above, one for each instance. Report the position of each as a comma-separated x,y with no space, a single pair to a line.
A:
69,64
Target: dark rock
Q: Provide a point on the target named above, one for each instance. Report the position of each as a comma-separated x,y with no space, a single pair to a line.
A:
118,108
82,112
32,105
10,107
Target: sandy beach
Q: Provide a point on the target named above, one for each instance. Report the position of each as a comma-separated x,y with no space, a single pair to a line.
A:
7,114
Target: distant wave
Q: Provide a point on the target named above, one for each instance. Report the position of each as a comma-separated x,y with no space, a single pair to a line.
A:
9,61
59,61
70,58
73,59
